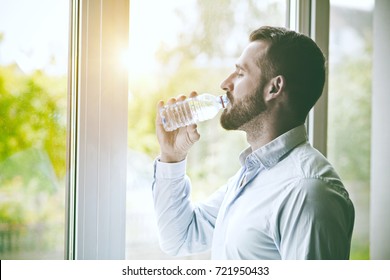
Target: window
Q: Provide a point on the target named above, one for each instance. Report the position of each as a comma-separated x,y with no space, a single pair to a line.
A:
177,47
349,115
33,110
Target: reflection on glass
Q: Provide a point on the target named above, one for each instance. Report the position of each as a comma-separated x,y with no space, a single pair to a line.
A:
33,66
175,48
350,64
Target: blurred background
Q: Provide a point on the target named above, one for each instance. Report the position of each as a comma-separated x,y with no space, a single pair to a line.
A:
175,47
33,112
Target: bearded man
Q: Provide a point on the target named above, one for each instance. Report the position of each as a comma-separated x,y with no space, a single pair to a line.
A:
286,201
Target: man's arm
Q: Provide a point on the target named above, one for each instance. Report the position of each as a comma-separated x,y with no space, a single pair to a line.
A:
315,221
184,228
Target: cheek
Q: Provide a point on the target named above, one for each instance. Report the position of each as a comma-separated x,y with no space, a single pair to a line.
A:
244,88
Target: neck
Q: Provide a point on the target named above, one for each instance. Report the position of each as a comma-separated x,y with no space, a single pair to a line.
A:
262,130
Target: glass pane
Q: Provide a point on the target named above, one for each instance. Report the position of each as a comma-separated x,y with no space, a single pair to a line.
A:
33,101
177,47
350,64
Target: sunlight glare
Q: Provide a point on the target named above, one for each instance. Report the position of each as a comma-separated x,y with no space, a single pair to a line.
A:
148,30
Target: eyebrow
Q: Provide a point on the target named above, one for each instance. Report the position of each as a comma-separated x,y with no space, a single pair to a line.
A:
243,67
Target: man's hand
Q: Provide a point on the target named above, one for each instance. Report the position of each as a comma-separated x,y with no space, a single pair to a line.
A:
175,144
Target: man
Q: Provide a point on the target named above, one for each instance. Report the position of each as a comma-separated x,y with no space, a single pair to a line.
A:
286,201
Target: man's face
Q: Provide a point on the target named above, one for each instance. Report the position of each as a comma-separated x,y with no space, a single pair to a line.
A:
245,88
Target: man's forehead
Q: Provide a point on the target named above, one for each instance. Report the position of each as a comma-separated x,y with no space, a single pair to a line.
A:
252,53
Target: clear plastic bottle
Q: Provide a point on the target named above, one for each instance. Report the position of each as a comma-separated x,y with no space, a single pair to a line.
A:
192,110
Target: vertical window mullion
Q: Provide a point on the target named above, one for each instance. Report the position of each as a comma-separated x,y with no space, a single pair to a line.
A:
98,150
72,131
311,17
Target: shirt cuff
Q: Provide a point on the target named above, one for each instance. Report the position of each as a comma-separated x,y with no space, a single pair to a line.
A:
164,170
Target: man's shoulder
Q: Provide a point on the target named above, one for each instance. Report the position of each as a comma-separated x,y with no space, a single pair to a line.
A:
315,175
306,170
311,164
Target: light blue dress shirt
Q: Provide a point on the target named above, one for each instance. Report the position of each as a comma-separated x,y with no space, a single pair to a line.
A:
286,202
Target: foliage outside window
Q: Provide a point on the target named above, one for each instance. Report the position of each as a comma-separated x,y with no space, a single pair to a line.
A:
349,113
33,102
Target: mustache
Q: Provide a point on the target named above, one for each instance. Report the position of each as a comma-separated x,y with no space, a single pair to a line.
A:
230,96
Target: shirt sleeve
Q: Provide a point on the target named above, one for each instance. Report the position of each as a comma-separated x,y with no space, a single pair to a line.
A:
184,228
315,221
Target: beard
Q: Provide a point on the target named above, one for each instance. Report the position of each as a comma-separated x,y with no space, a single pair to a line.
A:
243,111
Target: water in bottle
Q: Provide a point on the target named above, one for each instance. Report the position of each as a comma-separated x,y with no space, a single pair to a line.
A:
192,110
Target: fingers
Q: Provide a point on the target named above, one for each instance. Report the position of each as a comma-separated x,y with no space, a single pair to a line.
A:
179,98
193,94
193,133
172,101
160,104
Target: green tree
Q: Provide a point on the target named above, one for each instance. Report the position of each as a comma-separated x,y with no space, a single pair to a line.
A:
33,114
32,159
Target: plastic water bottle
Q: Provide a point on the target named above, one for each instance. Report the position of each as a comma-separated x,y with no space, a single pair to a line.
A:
192,110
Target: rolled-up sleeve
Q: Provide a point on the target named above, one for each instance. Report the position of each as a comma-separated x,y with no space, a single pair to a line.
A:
184,228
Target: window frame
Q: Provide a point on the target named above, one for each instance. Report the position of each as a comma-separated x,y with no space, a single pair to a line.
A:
97,130
311,17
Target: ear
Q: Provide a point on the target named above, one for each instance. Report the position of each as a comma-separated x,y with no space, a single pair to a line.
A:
275,87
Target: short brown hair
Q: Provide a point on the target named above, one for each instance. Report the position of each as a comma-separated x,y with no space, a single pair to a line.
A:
298,59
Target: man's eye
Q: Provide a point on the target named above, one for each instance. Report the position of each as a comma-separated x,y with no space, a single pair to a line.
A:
240,73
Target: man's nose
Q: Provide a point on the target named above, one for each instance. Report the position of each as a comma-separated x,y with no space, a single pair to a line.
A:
227,84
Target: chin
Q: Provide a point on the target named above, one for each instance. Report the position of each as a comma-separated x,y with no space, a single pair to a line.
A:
226,123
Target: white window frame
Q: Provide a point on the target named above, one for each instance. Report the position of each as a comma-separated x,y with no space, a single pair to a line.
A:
97,123
380,136
97,130
311,17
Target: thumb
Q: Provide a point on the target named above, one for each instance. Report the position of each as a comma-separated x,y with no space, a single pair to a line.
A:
193,133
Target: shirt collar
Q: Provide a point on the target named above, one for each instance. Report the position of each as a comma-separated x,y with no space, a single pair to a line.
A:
271,153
